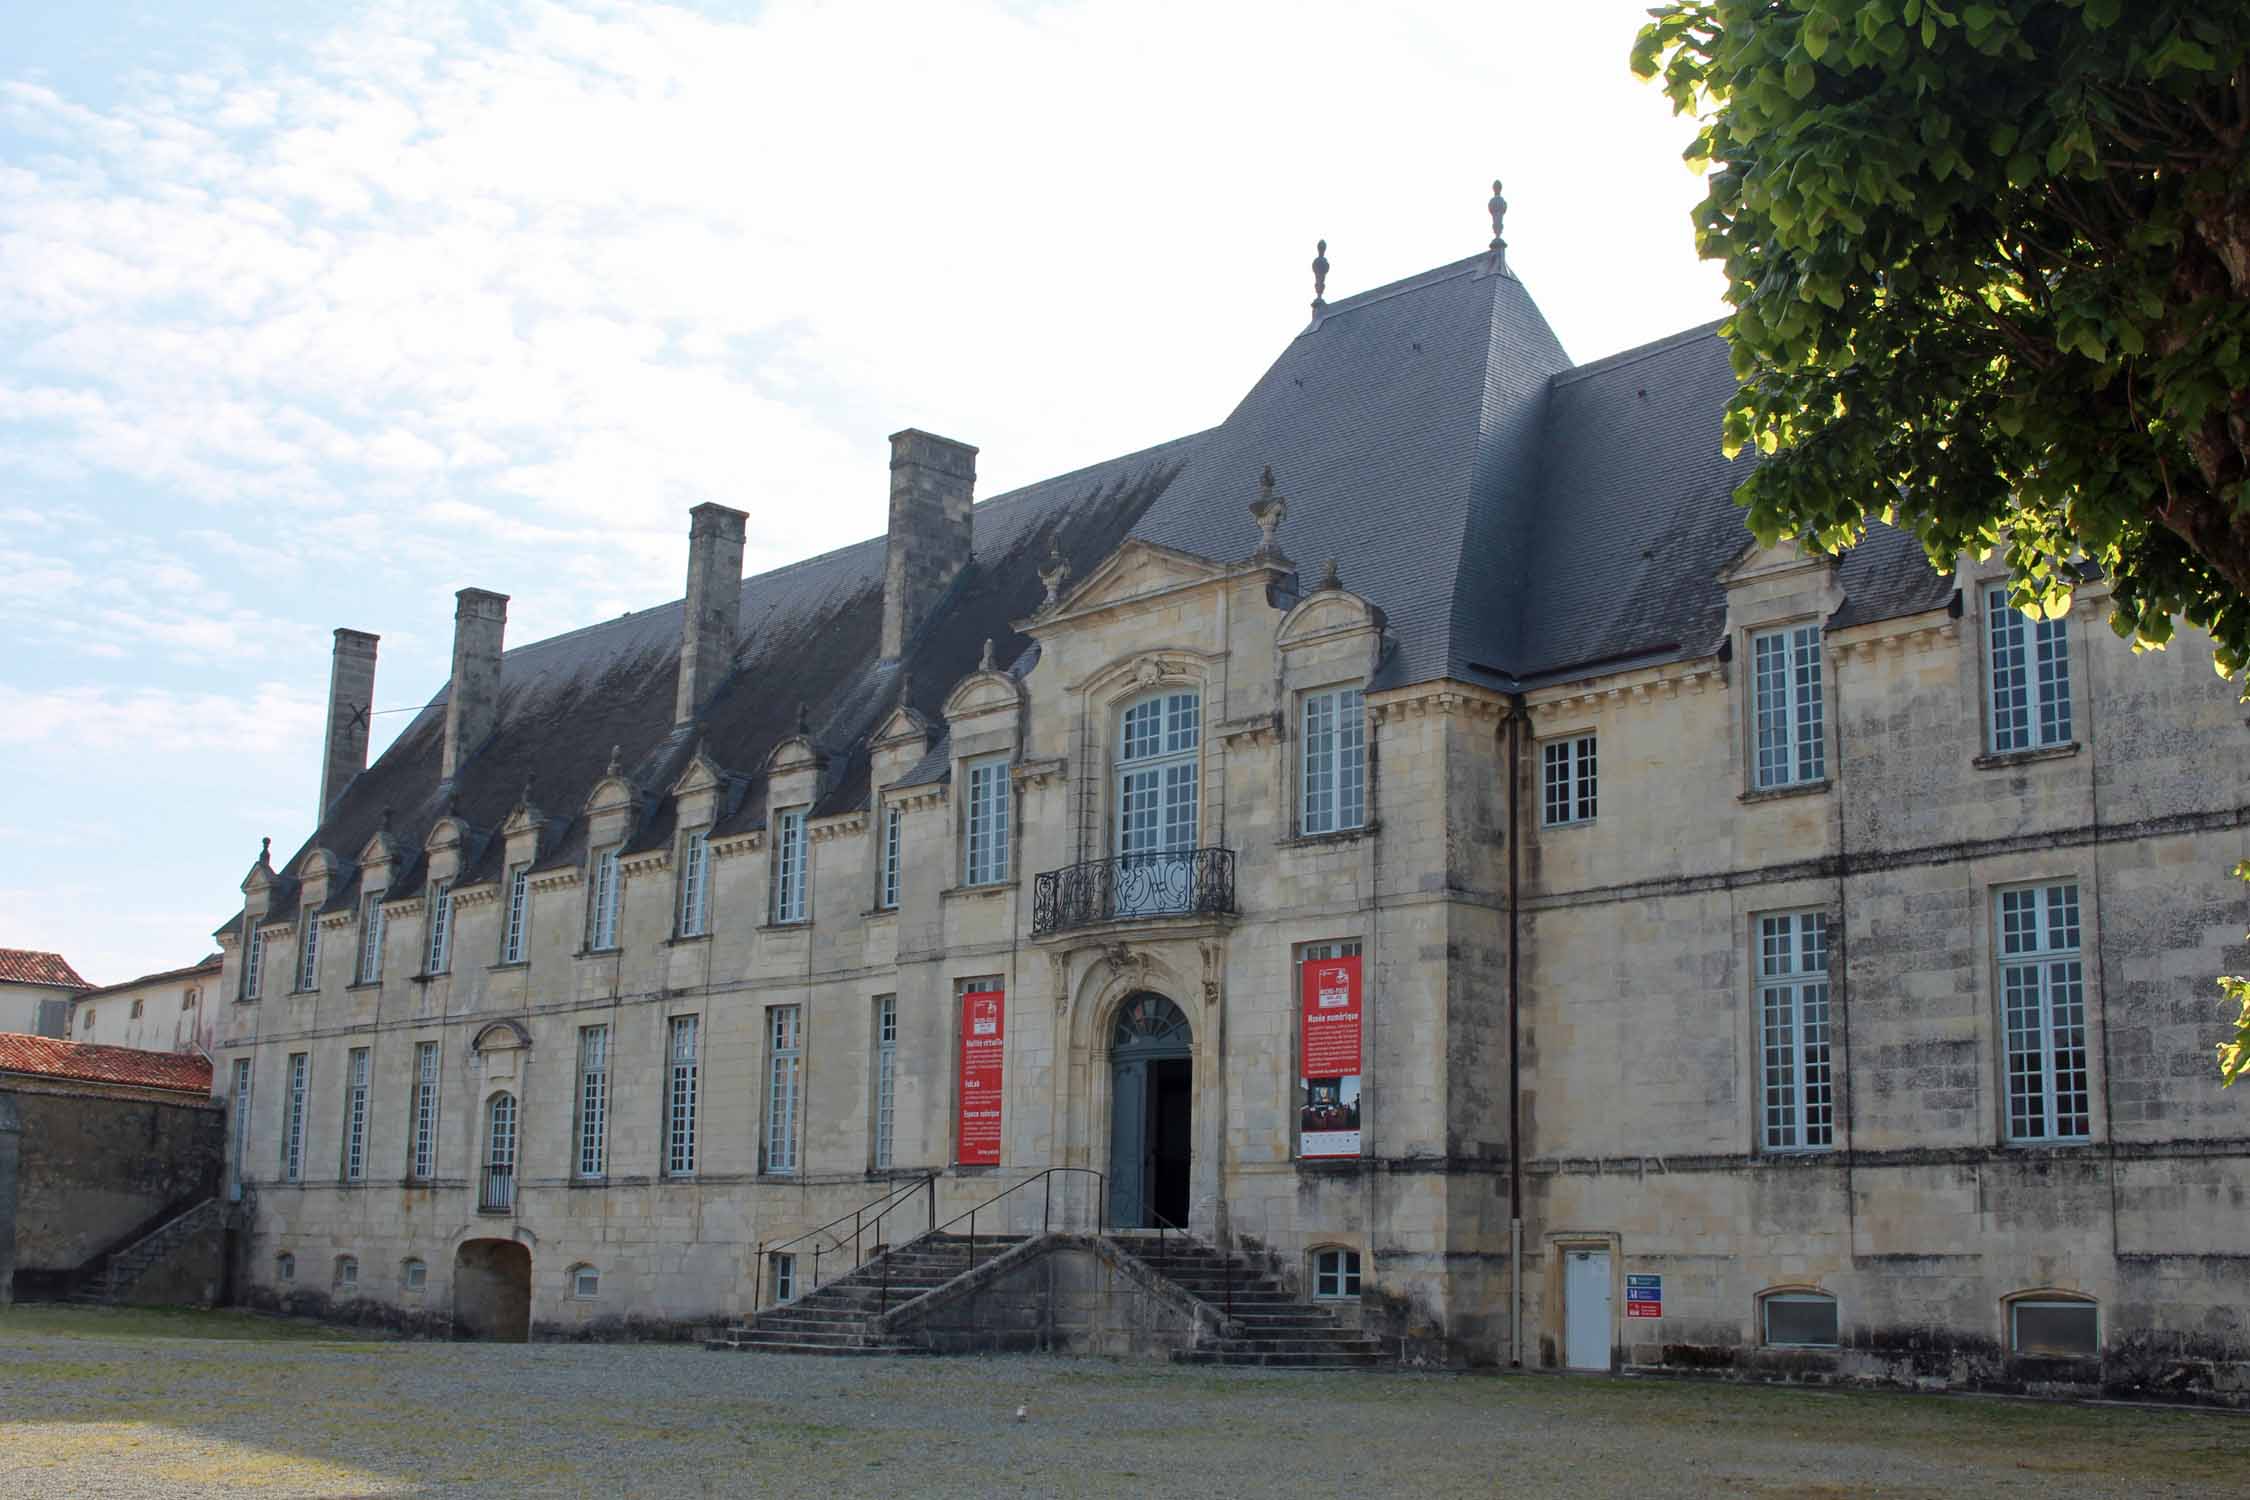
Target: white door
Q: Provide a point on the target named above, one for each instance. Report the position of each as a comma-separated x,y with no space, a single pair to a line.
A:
1586,1324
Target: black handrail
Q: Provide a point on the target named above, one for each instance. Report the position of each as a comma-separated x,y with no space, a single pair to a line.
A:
1157,883
1046,1208
889,1201
1226,1257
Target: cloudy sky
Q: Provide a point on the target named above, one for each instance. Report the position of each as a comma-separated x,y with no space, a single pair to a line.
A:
312,313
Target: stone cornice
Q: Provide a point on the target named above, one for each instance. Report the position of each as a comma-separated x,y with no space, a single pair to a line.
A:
647,859
835,826
1917,633
738,843
1444,698
555,880
1638,686
1253,729
1039,772
935,794
475,895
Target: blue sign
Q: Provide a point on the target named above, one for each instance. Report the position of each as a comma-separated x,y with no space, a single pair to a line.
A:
1644,1296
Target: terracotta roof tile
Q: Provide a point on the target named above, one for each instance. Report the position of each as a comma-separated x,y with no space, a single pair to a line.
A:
29,966
50,1058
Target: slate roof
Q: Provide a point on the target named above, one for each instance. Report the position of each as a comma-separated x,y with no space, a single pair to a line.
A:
1516,518
89,1062
30,966
208,967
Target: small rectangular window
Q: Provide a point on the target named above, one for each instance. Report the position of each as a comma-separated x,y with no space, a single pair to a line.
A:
2054,1329
2028,663
695,884
253,962
784,1276
789,866
1335,1273
586,1283
1800,1319
679,1100
417,1275
422,1161
135,1013
513,927
1799,1088
1333,773
987,856
784,1072
439,958
308,952
886,1080
293,1124
1568,794
355,1117
593,1100
371,938
894,820
1786,682
2043,1014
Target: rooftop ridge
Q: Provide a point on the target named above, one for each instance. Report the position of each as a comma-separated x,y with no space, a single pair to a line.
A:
1635,354
1399,288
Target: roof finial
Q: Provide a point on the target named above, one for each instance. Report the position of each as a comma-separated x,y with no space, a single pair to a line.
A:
1267,510
1054,574
265,850
527,784
804,718
906,690
984,663
1498,207
1320,276
614,753
383,823
1329,577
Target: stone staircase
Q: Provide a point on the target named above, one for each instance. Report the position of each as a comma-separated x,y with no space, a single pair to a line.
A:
1276,1329
841,1317
107,1280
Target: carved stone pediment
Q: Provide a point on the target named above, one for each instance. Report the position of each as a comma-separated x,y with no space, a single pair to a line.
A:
1136,571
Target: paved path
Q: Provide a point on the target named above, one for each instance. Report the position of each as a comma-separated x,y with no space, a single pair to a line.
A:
102,1413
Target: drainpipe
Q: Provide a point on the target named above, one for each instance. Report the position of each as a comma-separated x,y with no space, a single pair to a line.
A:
1515,1070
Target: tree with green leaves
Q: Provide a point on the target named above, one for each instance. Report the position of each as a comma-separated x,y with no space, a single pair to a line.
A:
1990,272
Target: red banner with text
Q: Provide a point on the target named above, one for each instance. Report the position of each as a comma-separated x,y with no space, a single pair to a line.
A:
983,1047
1333,1005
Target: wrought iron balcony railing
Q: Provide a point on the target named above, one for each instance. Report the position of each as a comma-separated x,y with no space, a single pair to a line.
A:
1172,883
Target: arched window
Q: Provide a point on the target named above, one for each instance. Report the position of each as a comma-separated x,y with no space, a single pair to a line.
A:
1335,1273
347,1272
585,1281
2054,1325
1159,775
1797,1318
499,1195
285,1267
413,1273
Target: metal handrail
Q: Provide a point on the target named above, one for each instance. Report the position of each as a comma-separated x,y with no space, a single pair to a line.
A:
1046,1208
1226,1256
927,1183
1148,883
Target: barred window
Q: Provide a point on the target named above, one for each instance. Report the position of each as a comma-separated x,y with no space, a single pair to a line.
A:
2043,1013
986,857
789,866
784,1072
1333,777
1570,767
1799,1084
679,1100
593,1100
2029,668
1786,679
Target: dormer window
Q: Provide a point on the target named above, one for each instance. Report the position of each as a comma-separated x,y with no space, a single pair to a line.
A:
308,952
514,925
440,955
370,938
2029,669
894,848
789,866
695,884
1786,680
253,960
985,851
601,912
1334,777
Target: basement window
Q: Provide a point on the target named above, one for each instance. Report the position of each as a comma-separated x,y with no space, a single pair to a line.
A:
347,1272
285,1267
1335,1273
1799,1320
415,1274
585,1281
2054,1328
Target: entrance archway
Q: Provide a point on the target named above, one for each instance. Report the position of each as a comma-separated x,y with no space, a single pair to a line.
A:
492,1291
1151,1113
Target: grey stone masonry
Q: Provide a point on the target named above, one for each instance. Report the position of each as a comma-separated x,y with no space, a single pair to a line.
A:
480,619
351,698
932,482
713,611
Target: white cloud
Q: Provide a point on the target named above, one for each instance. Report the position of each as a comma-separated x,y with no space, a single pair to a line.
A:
277,718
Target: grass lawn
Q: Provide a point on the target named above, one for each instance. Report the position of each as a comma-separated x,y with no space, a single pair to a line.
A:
70,1320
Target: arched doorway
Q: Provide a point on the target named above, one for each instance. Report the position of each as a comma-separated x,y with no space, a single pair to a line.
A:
492,1291
1151,1113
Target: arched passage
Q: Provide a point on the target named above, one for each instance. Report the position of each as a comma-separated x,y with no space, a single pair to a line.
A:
492,1291
1152,1113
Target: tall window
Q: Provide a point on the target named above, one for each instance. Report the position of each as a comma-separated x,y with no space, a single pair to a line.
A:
370,938
593,1100
784,1072
2030,674
695,884
1570,767
241,1121
679,1101
1334,775
440,955
1785,668
886,1080
601,902
1158,773
2043,1003
519,915
355,1116
894,831
499,1192
1799,1086
293,1121
308,952
253,961
422,1164
986,861
789,866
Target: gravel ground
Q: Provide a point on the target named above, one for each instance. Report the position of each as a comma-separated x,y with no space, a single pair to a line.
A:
107,1410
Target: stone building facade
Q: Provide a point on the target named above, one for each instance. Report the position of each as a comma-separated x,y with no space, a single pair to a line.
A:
170,1011
1759,961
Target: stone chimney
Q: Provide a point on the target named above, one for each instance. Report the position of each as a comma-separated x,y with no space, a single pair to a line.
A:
351,701
713,613
472,709
932,482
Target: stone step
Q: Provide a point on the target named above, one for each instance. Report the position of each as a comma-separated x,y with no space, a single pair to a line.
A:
780,1346
1280,1361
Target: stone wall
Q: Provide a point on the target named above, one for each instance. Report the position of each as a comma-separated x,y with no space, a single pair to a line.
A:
94,1170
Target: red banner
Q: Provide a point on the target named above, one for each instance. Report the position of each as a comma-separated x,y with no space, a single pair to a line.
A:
1328,1120
983,1048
